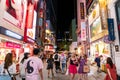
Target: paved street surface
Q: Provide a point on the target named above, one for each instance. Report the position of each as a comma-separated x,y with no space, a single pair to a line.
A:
93,75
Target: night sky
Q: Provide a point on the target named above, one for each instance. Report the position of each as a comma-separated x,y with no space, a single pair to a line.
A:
64,13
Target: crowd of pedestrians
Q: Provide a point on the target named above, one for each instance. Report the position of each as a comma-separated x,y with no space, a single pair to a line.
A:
66,63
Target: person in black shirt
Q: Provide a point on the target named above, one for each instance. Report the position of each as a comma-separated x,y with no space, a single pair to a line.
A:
50,63
98,60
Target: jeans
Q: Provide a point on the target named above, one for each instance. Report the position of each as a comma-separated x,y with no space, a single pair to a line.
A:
63,67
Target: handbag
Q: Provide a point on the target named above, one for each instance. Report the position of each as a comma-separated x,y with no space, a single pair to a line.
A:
86,68
12,76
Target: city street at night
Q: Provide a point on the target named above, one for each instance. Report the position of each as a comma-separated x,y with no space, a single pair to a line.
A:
59,39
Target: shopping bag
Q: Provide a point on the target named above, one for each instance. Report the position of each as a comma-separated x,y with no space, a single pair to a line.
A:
86,68
67,72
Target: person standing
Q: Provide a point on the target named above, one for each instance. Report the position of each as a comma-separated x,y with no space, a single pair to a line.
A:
50,62
72,66
98,62
8,67
34,66
63,61
57,61
111,70
82,63
22,68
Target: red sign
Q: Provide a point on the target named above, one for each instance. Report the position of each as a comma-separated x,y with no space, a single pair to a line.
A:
12,45
9,44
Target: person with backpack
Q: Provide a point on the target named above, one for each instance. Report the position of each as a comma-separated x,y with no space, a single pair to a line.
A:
57,61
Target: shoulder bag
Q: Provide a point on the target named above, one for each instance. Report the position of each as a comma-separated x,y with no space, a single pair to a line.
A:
12,76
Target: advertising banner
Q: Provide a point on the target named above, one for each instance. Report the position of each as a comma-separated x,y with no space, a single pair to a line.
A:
14,12
96,28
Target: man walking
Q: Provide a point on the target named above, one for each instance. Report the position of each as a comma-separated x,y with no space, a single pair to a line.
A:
57,61
98,62
34,66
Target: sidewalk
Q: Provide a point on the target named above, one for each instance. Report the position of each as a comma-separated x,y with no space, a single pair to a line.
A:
93,75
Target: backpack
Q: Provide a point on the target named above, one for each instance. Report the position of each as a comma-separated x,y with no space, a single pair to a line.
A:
56,56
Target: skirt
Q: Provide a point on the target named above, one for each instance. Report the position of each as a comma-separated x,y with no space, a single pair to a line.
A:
72,69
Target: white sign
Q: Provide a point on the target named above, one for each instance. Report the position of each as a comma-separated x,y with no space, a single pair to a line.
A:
83,31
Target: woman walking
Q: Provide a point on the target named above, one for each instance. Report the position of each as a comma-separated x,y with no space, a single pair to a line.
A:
72,66
82,63
22,68
111,70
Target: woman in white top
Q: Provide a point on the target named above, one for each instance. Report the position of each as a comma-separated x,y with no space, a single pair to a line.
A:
8,66
22,67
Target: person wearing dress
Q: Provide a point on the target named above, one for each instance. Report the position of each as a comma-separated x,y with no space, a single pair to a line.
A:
72,66
111,70
82,62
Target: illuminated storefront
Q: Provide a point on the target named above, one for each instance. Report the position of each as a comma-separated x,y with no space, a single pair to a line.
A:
12,17
10,44
99,31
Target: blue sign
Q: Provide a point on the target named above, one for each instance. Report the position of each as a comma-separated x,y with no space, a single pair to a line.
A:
111,35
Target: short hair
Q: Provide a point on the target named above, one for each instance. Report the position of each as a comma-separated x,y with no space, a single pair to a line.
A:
36,51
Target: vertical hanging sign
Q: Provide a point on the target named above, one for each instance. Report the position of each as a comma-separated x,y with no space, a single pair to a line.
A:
82,11
111,35
83,31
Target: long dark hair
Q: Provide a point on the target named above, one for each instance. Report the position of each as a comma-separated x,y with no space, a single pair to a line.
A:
25,57
8,60
109,61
